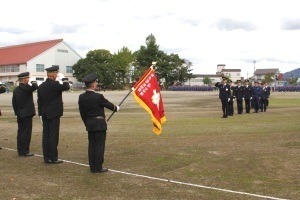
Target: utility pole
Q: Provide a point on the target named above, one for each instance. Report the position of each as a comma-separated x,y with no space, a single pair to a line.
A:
254,61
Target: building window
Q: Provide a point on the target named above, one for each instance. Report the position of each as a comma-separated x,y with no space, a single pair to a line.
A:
40,78
9,68
69,69
62,50
40,67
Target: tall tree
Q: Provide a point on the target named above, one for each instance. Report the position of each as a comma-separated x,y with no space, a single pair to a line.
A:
98,61
122,62
170,68
207,80
146,55
269,77
292,80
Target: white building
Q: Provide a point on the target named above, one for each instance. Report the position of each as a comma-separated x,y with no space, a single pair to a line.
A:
199,79
233,74
34,58
259,75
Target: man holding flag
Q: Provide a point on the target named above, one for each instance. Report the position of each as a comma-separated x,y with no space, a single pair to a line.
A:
91,108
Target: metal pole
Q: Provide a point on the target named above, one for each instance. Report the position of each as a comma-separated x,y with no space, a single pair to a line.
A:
153,64
120,104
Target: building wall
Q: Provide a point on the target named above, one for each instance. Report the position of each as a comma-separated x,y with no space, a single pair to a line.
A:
220,67
61,55
199,80
234,76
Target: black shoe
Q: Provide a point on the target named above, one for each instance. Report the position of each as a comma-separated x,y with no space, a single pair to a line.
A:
101,171
54,161
25,155
104,170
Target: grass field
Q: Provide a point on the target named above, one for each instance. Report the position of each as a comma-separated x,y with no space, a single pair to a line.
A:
252,153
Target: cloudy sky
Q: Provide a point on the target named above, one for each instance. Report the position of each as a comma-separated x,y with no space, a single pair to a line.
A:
207,33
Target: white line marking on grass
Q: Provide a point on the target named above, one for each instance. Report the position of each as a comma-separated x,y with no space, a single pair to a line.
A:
170,181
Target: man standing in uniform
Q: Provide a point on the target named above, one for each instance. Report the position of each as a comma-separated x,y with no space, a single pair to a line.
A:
23,106
269,93
91,108
224,95
256,96
248,95
50,108
264,95
232,99
240,95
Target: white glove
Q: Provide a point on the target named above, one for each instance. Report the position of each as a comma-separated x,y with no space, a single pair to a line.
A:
233,99
118,108
250,98
228,99
243,98
41,119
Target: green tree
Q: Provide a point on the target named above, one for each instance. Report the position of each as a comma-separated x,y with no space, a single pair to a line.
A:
97,61
122,63
207,80
145,56
269,77
170,68
292,80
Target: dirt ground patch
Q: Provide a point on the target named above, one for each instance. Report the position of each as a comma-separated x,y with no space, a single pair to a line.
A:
252,153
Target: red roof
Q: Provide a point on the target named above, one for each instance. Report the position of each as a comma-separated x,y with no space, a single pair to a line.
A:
21,54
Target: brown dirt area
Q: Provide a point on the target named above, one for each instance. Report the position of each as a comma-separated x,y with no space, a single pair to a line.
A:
252,153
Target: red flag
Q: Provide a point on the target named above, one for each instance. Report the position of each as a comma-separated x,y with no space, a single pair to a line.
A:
147,95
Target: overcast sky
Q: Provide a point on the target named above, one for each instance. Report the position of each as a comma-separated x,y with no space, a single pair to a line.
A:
207,33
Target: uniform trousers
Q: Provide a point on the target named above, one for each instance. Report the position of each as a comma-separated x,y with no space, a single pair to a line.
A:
96,149
230,107
247,105
256,103
239,106
24,135
263,105
50,138
225,107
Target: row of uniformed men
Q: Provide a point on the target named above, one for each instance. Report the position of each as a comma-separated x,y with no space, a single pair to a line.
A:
50,109
256,96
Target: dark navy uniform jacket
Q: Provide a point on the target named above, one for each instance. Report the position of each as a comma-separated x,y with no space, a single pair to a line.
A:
2,89
22,100
264,93
224,91
269,90
248,92
256,91
91,108
239,92
232,93
49,100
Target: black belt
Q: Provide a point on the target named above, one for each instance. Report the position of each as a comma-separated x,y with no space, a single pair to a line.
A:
99,117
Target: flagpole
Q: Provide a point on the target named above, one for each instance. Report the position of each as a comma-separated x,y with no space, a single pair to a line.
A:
120,104
153,64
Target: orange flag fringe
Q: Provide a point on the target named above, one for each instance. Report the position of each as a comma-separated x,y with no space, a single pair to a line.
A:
147,95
